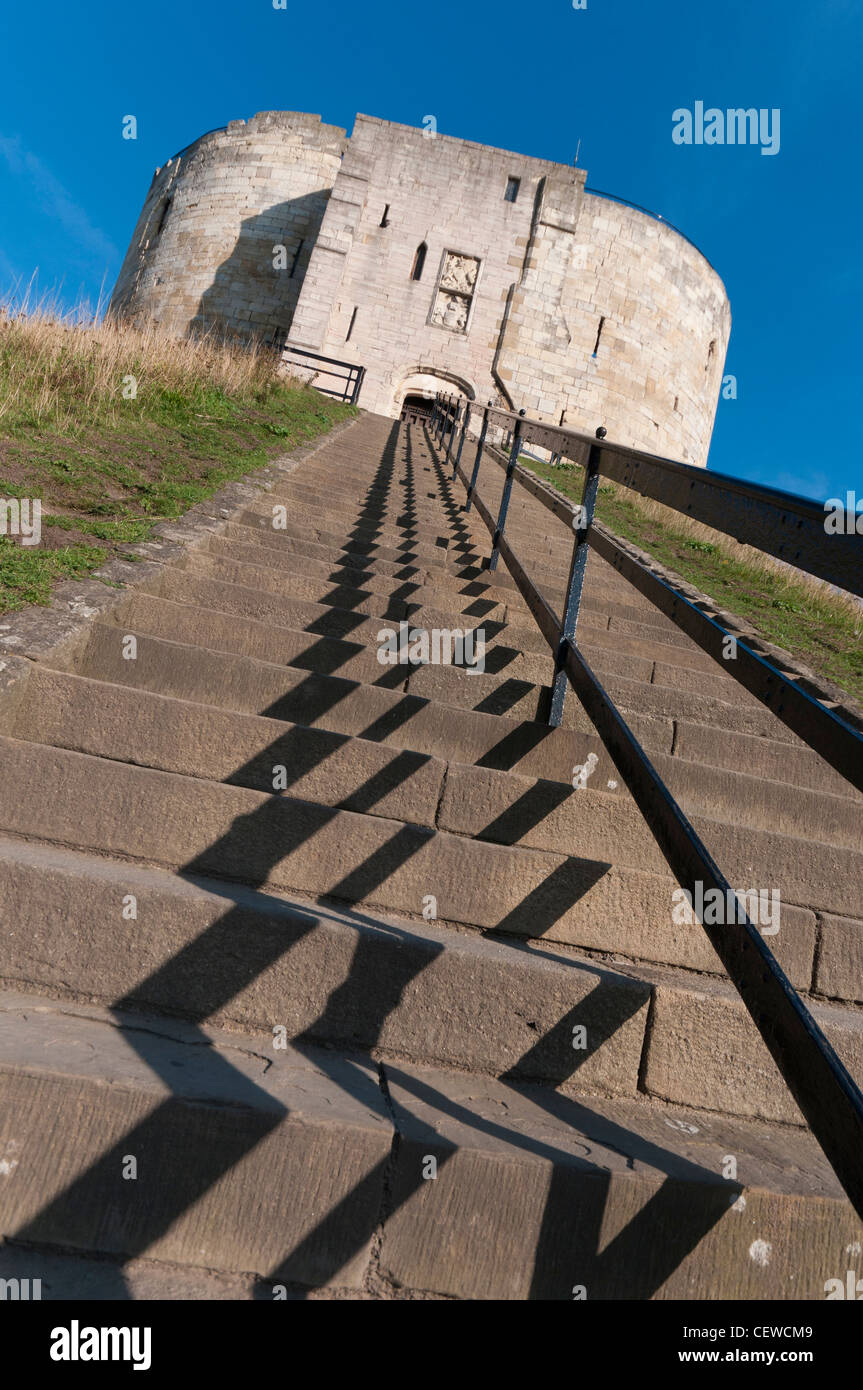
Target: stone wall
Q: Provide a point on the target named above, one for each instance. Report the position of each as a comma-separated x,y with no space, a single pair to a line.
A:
203,250
618,320
441,193
408,254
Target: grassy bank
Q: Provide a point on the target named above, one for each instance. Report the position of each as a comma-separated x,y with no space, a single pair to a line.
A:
788,608
116,429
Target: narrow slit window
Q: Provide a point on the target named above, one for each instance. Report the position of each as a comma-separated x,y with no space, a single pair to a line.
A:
297,255
385,220
598,336
512,187
419,261
352,322
163,216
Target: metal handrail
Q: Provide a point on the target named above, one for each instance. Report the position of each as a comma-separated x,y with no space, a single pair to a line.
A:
826,1093
353,377
781,524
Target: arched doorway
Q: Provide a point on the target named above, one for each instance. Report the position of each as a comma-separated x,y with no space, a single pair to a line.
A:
420,387
416,407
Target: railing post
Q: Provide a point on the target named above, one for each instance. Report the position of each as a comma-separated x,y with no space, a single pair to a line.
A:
478,460
507,489
454,427
576,579
464,424
444,407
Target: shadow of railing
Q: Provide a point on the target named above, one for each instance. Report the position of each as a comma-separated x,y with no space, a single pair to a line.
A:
200,980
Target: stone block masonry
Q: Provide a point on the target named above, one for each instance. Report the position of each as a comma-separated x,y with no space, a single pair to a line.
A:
437,264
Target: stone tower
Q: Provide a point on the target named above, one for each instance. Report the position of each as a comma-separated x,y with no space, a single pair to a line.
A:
437,263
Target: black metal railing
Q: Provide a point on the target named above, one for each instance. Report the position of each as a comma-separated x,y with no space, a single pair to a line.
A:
777,523
349,373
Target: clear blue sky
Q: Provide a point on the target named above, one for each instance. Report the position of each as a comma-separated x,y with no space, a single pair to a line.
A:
783,230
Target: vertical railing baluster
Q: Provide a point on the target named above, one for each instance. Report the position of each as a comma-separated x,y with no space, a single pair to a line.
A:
443,418
464,424
507,489
478,460
575,585
455,424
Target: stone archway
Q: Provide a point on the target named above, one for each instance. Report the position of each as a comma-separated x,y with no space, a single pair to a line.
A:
423,384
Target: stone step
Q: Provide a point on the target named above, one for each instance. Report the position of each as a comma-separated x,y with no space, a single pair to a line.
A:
241,669
438,582
521,699
362,624
334,768
384,532
296,845
379,600
248,960
403,551
368,558
399,989
511,809
237,563
363,509
294,1166
233,680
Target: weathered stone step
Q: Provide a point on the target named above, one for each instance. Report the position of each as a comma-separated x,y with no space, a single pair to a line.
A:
384,532
295,845
241,1153
391,987
507,668
281,647
362,624
521,699
297,1168
264,685
294,547
230,679
199,740
378,600
800,859
336,769
346,553
403,551
236,563
439,582
277,841
352,511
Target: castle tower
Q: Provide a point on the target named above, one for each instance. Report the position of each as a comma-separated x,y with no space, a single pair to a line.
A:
438,264
204,252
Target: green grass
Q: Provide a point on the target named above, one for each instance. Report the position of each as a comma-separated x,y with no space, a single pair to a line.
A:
822,629
107,479
28,575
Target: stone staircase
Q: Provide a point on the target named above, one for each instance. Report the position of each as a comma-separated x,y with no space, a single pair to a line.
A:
322,980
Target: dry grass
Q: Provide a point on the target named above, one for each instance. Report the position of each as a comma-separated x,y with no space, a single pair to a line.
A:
108,463
64,371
